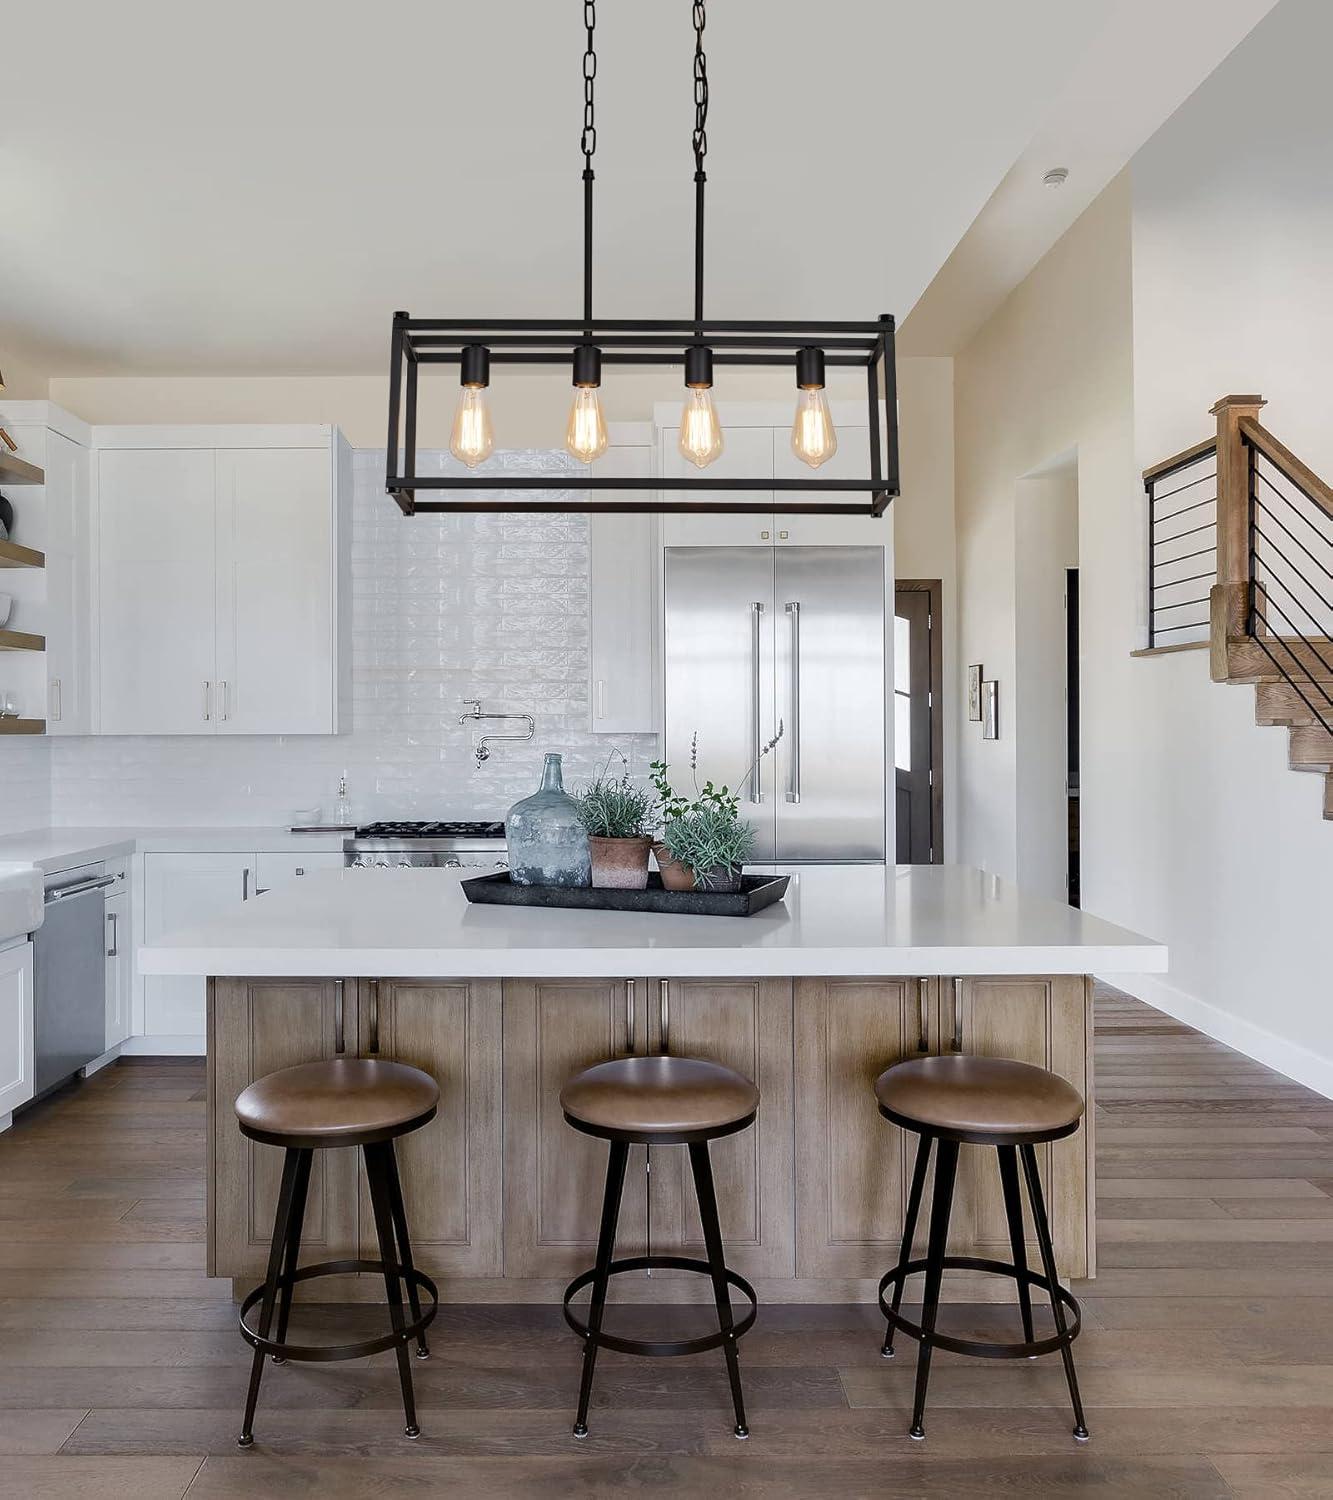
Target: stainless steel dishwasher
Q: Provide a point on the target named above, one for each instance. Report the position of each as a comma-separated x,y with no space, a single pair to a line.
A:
69,977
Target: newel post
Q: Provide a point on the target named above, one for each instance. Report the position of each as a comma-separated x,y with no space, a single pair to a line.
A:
1229,599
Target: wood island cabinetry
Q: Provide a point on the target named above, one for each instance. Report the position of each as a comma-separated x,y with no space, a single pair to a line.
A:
504,1197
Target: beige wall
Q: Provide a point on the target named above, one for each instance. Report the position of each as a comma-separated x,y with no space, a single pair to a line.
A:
1051,372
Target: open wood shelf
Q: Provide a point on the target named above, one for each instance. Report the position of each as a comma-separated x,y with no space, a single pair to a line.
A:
14,556
16,470
22,726
21,640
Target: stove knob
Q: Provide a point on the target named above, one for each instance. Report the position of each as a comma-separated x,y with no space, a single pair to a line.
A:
453,863
381,863
405,864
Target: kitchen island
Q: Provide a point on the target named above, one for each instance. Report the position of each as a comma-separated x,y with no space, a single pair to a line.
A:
860,966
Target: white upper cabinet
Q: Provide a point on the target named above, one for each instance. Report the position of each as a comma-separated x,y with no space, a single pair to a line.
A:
851,461
747,452
156,548
69,687
622,609
276,667
221,599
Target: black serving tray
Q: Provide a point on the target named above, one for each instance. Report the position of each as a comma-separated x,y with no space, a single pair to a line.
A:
756,892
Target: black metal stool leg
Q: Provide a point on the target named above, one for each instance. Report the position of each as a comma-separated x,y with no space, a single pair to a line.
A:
606,1244
909,1230
946,1166
1013,1210
1043,1229
702,1167
281,1220
404,1246
377,1175
292,1252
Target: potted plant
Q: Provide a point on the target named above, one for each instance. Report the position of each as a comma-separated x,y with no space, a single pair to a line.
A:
705,842
618,816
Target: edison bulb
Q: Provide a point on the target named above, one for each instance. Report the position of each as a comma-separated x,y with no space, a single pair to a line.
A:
472,439
813,439
700,430
585,436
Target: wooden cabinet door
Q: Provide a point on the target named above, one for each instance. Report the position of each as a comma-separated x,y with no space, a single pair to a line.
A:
450,1169
747,1025
553,1174
256,1026
275,600
852,1165
1040,1020
155,627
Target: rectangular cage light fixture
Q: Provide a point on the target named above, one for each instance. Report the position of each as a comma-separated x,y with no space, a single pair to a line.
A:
764,345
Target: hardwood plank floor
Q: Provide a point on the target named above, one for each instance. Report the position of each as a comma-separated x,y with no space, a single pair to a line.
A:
1206,1360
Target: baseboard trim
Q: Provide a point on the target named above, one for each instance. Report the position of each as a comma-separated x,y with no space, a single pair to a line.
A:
163,1046
1292,1060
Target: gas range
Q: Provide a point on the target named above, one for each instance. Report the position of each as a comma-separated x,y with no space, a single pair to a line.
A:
447,844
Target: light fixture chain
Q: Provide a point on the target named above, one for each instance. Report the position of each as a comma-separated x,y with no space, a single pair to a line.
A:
700,140
588,140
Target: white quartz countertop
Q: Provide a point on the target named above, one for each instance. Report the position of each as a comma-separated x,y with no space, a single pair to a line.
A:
836,919
54,849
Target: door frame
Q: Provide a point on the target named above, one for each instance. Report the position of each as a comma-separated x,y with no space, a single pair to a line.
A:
935,637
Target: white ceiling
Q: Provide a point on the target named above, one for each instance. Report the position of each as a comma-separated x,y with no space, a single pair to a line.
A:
258,190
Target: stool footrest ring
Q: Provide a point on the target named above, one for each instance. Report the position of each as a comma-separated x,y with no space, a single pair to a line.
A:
655,1347
980,1347
320,1353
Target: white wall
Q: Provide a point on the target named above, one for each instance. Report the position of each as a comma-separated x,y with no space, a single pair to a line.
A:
1045,547
1233,220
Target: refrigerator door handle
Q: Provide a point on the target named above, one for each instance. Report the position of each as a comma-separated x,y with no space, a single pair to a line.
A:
794,759
756,703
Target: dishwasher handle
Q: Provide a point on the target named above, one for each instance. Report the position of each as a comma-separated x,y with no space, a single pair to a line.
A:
60,892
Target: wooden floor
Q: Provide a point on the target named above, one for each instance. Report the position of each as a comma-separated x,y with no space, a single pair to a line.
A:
1206,1358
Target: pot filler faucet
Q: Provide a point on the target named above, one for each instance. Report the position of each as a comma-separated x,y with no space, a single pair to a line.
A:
474,714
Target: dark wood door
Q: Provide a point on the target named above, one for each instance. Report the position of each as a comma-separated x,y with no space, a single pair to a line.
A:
917,711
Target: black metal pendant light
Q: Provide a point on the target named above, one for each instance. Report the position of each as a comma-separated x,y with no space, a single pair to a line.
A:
586,345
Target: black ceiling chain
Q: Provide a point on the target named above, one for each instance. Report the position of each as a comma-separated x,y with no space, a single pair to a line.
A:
700,139
588,140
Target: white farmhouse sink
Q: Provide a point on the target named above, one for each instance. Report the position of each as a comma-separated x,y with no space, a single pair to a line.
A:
21,896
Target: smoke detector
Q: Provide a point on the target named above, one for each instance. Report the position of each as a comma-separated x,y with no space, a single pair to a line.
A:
1056,177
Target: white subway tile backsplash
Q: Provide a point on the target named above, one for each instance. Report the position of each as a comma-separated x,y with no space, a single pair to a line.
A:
443,608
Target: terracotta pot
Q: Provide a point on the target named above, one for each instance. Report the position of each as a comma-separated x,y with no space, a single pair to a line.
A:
719,879
619,864
675,875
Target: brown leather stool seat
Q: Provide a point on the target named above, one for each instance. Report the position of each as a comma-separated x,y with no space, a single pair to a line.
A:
346,1101
668,1099
988,1099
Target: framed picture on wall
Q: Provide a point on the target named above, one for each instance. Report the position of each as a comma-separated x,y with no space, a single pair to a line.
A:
974,693
990,710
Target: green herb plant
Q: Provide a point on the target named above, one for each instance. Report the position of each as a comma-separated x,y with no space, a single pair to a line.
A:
614,806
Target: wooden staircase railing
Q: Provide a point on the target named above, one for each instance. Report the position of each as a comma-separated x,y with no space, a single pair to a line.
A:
1244,508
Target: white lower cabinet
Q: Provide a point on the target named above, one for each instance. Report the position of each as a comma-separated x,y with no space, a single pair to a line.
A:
180,891
16,1061
119,967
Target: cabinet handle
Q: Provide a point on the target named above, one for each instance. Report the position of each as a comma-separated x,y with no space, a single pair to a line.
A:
958,1015
208,700
756,704
794,754
373,1042
224,701
922,1024
629,1015
339,1018
601,698
664,1013
245,883
114,950
57,706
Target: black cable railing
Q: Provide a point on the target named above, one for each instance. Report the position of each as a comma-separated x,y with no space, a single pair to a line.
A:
1290,614
1182,546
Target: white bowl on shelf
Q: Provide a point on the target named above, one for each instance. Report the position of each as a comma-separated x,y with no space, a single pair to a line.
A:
6,609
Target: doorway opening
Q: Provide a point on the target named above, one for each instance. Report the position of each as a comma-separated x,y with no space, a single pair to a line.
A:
918,721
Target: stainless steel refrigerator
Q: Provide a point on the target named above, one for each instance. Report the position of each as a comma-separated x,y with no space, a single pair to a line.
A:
756,636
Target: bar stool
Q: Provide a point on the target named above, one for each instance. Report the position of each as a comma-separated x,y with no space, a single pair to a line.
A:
953,1100
347,1101
659,1101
